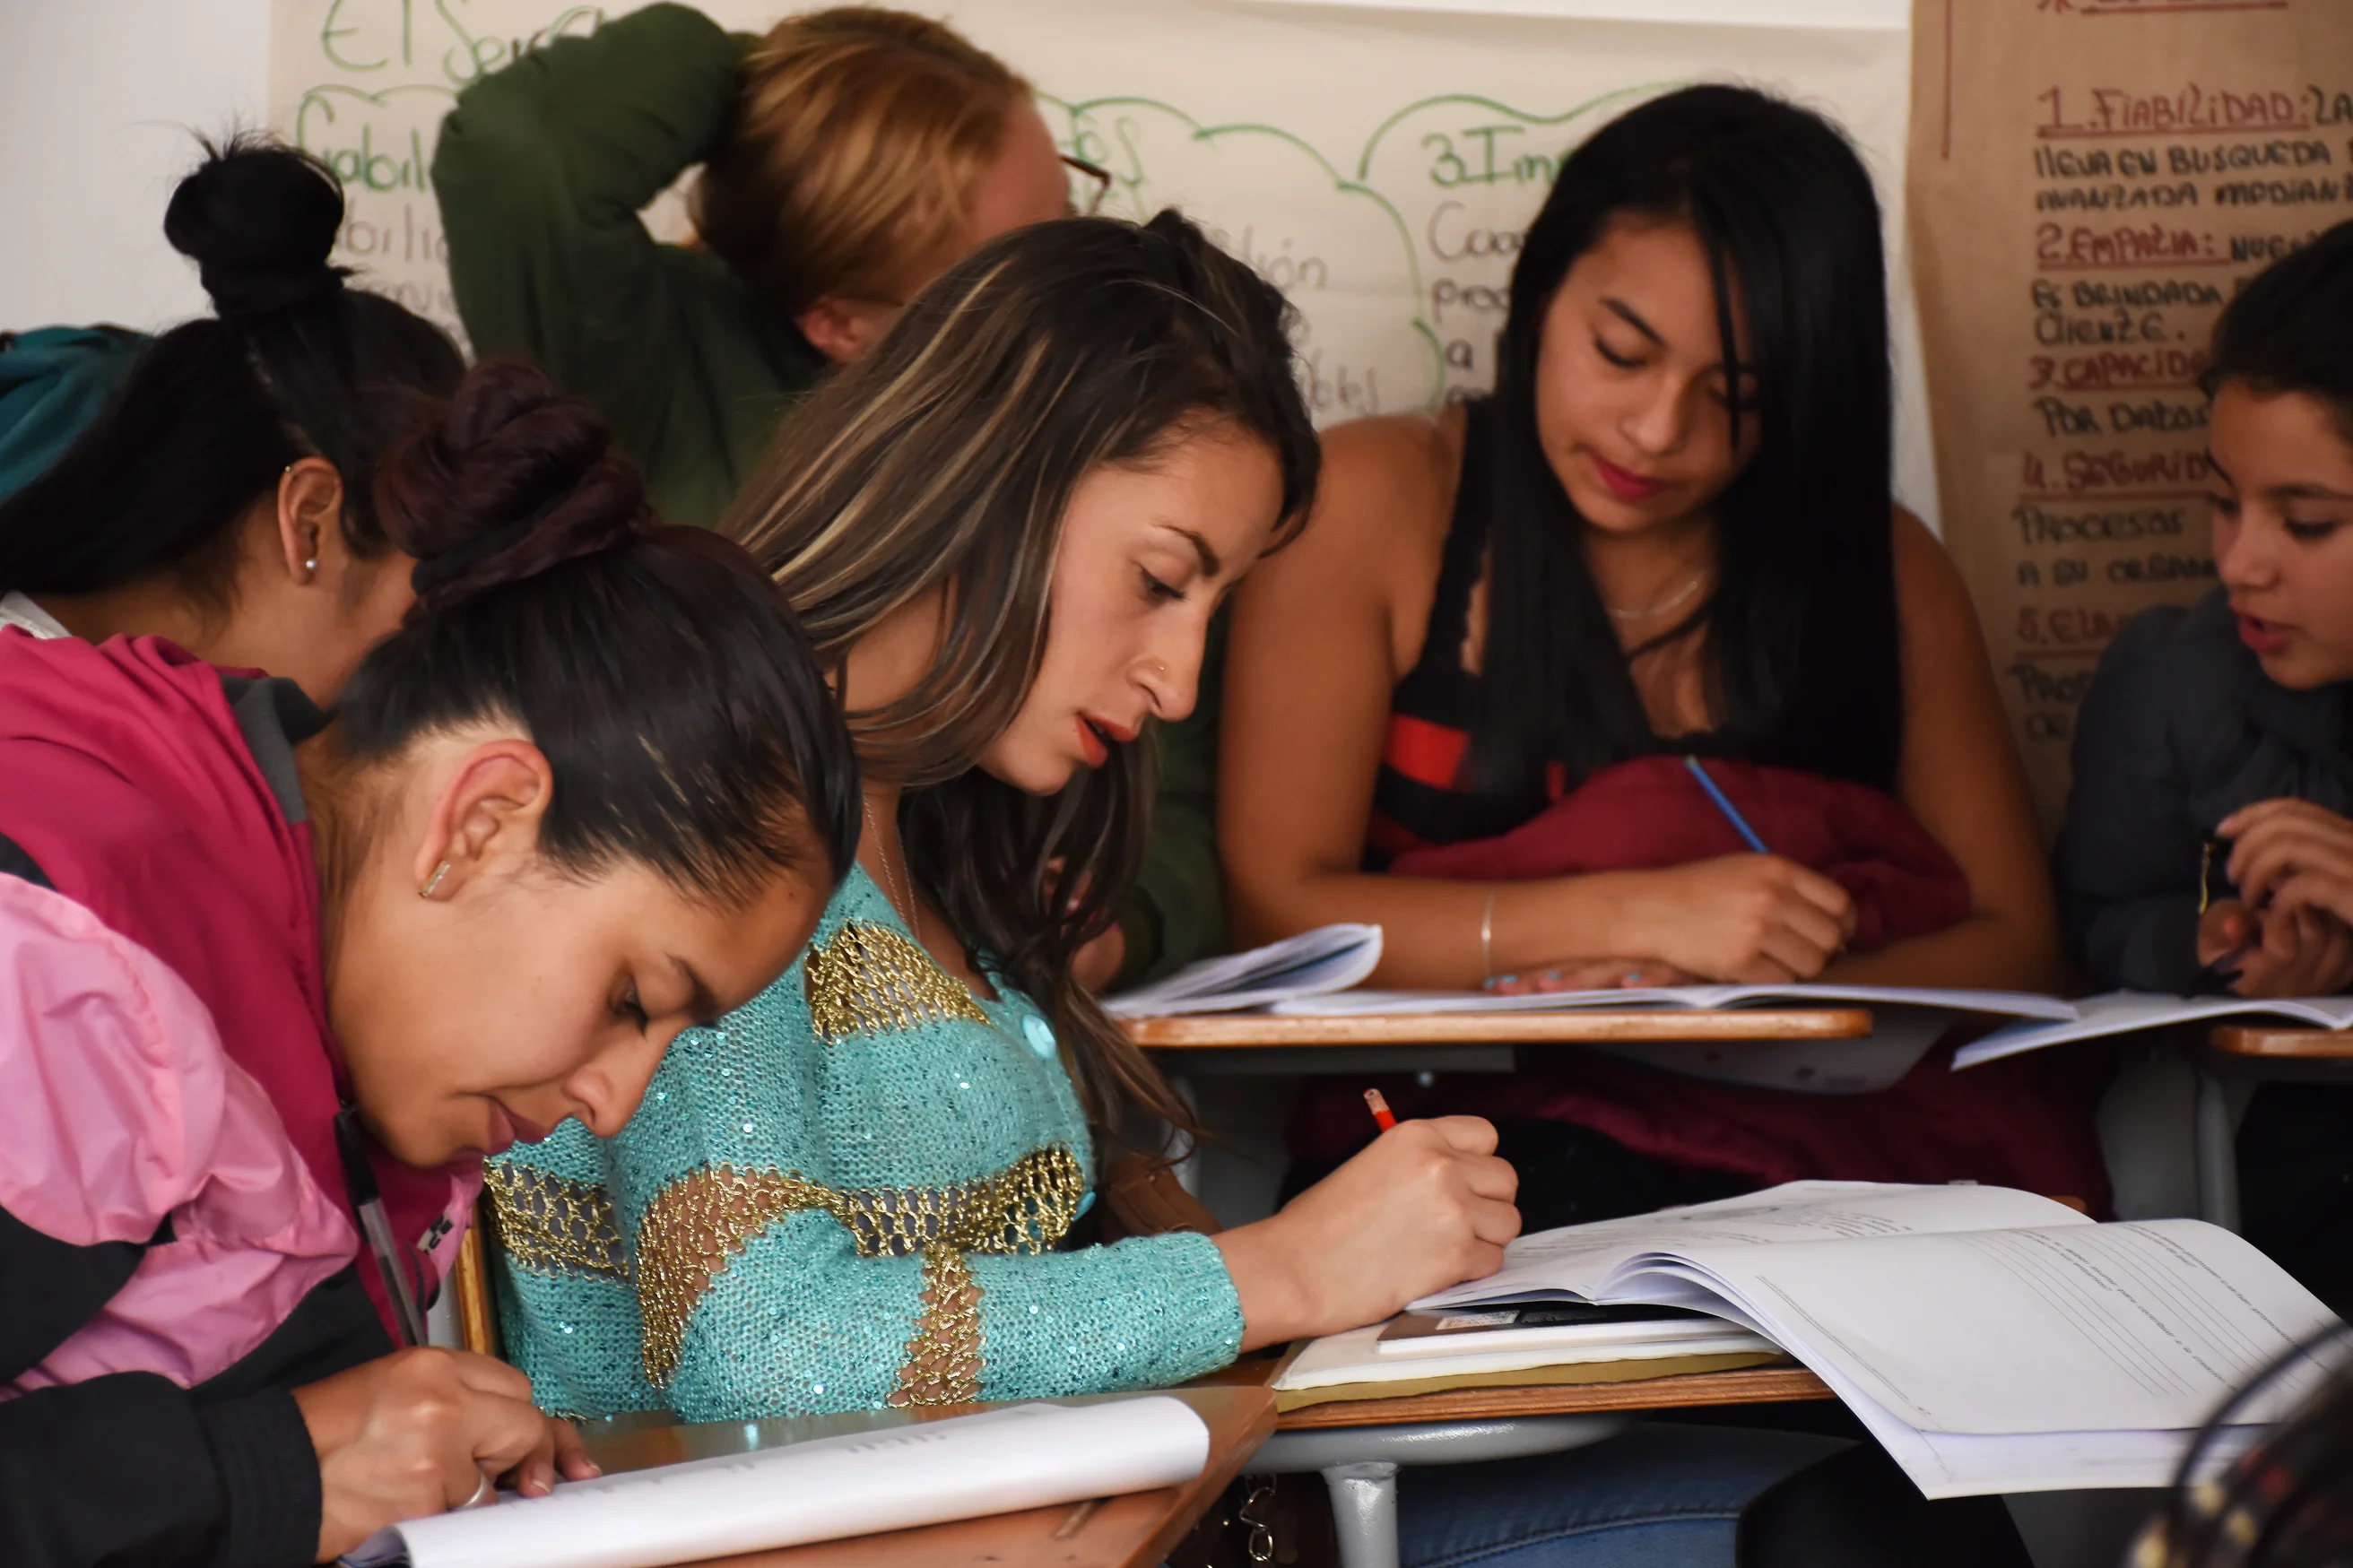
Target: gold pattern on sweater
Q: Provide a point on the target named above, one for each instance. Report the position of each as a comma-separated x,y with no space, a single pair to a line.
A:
943,1365
555,1226
696,1226
870,980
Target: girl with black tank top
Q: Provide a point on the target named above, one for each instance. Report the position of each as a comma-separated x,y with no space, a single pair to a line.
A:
1669,530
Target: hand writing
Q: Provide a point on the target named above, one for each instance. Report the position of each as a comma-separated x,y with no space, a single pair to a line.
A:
415,1432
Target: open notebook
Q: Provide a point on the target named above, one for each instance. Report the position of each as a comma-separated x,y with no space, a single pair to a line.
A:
1026,1456
1329,958
1991,1340
2126,1012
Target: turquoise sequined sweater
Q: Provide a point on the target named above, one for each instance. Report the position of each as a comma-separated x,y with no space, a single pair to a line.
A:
845,1194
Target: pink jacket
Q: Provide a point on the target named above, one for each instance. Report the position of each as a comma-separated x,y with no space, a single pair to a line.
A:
159,794
122,1112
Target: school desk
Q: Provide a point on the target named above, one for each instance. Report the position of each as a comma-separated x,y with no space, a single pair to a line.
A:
1135,1530
1357,1446
1214,1043
2262,1053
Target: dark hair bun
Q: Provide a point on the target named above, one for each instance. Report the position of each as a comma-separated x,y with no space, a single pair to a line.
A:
259,220
510,478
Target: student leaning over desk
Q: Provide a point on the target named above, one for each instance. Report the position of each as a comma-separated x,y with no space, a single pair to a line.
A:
1459,709
2207,845
262,1017
1007,530
848,158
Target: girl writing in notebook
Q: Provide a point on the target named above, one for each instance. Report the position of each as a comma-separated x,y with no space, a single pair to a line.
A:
277,979
1006,530
1459,709
2209,839
222,499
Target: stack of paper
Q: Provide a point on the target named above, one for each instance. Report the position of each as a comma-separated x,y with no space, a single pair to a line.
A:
1029,1456
1991,1340
1329,958
1357,1365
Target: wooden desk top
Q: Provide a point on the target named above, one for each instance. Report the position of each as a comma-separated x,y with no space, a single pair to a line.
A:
1568,1027
1136,1531
2283,1044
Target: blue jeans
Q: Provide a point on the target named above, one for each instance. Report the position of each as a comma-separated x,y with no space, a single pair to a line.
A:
1658,1496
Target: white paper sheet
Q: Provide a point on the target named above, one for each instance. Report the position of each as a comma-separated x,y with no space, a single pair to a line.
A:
1576,1261
2012,1003
1329,958
2124,1012
1027,1456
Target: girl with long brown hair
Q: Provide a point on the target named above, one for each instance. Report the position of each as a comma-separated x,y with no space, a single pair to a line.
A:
1006,531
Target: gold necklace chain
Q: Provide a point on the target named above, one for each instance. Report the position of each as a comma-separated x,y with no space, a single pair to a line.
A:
910,911
1686,592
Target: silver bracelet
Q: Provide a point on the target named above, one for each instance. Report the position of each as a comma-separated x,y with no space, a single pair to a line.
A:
1487,940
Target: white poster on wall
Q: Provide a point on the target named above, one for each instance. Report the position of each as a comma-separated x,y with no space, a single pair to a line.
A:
1378,163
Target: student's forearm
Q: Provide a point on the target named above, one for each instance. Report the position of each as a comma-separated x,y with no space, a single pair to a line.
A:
1431,929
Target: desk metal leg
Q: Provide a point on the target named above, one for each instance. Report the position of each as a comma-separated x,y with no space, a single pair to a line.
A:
1363,1512
2218,1155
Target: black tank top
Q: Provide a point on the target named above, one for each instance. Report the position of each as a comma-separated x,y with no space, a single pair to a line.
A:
1421,796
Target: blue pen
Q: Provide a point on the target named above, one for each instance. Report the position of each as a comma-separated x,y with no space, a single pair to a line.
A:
1724,804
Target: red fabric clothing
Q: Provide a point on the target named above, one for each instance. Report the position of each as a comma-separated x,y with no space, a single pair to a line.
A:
130,783
1651,812
2025,1123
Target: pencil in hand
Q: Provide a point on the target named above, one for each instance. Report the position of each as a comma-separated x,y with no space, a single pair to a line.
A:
1380,1108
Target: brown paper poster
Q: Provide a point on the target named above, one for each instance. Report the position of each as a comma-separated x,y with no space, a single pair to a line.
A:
2091,180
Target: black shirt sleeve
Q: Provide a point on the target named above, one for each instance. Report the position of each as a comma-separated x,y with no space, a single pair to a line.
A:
130,1471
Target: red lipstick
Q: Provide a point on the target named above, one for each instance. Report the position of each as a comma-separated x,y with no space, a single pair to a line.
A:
1624,483
1091,745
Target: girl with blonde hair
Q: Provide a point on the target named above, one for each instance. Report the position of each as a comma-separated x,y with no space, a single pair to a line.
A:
848,158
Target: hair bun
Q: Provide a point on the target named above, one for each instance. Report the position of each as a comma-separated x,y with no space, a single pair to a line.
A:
510,479
260,221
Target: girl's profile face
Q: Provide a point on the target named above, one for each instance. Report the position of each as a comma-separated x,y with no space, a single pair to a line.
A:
1632,401
515,994
2283,505
1148,551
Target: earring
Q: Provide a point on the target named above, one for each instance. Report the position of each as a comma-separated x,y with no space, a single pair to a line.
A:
312,564
434,880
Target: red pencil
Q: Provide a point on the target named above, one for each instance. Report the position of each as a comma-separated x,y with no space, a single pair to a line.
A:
1380,1108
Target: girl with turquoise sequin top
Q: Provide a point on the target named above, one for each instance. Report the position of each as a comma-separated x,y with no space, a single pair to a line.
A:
1006,532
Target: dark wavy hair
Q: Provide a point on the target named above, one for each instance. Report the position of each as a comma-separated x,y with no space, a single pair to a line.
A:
2291,328
684,713
294,364
1801,628
946,460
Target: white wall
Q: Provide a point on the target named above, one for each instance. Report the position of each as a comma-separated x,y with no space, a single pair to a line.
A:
98,99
